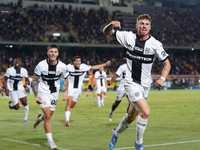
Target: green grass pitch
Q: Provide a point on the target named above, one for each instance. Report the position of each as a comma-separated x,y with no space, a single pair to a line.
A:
174,124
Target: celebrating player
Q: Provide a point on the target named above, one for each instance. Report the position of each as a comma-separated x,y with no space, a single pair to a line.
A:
46,85
14,87
141,50
76,73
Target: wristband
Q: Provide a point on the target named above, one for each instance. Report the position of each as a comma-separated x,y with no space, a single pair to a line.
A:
162,78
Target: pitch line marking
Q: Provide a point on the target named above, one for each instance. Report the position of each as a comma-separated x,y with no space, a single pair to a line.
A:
164,144
22,142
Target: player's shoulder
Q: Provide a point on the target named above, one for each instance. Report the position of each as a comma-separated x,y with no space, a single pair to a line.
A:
43,62
23,69
61,63
154,40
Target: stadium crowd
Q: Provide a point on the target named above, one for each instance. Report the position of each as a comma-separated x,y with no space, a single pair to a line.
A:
86,27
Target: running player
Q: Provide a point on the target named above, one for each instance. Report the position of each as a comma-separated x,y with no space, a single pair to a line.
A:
101,85
90,85
46,85
76,73
121,72
14,87
141,50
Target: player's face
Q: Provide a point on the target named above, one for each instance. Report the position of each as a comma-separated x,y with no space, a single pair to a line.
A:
77,62
52,54
143,27
17,63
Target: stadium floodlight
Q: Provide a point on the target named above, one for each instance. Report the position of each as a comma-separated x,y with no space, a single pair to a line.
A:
56,34
192,48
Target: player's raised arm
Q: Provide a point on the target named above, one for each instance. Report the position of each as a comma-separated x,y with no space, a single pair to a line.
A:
109,31
95,67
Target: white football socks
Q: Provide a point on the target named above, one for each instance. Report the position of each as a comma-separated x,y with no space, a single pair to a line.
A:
123,125
26,110
140,128
49,137
67,115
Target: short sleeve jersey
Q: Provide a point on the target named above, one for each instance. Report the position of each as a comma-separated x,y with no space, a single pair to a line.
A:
50,76
99,76
121,72
76,76
140,56
15,77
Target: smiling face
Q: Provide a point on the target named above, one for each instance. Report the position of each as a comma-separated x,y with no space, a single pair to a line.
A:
77,63
52,54
17,63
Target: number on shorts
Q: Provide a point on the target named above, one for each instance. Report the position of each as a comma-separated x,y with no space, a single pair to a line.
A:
53,102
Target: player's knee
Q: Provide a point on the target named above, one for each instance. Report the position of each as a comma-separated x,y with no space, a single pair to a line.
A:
47,116
16,107
145,114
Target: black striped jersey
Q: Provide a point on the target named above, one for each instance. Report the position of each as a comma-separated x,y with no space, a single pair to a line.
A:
15,77
121,72
76,76
99,76
140,56
50,76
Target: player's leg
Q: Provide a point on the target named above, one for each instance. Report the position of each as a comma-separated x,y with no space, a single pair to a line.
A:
93,89
26,109
13,103
103,97
67,109
47,126
88,91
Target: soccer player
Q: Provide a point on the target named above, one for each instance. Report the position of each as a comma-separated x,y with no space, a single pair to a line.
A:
90,85
121,72
14,87
76,73
141,50
101,85
46,85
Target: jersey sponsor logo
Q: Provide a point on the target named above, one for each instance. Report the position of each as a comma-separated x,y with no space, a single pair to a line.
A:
76,73
52,72
139,57
16,78
50,79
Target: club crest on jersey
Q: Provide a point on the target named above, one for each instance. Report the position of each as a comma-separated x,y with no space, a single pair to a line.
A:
137,94
58,72
163,53
147,50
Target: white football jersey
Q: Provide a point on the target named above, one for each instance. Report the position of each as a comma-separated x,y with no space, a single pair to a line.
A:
76,76
121,72
140,56
100,78
50,76
15,77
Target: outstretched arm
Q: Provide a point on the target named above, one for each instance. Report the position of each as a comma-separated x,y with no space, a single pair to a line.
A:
95,67
108,30
165,72
113,79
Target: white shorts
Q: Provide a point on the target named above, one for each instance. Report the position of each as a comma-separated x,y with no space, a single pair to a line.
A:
120,95
135,91
101,89
75,93
16,95
49,100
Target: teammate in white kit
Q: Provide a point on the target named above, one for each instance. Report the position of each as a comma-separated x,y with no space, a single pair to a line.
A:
141,51
76,73
46,85
101,85
14,87
121,73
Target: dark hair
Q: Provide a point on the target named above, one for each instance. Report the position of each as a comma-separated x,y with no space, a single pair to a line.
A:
76,57
18,58
144,16
52,46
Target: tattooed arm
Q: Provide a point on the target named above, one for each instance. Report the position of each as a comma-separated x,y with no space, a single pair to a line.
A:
35,88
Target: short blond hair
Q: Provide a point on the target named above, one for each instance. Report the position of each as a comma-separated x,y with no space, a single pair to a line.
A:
144,16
